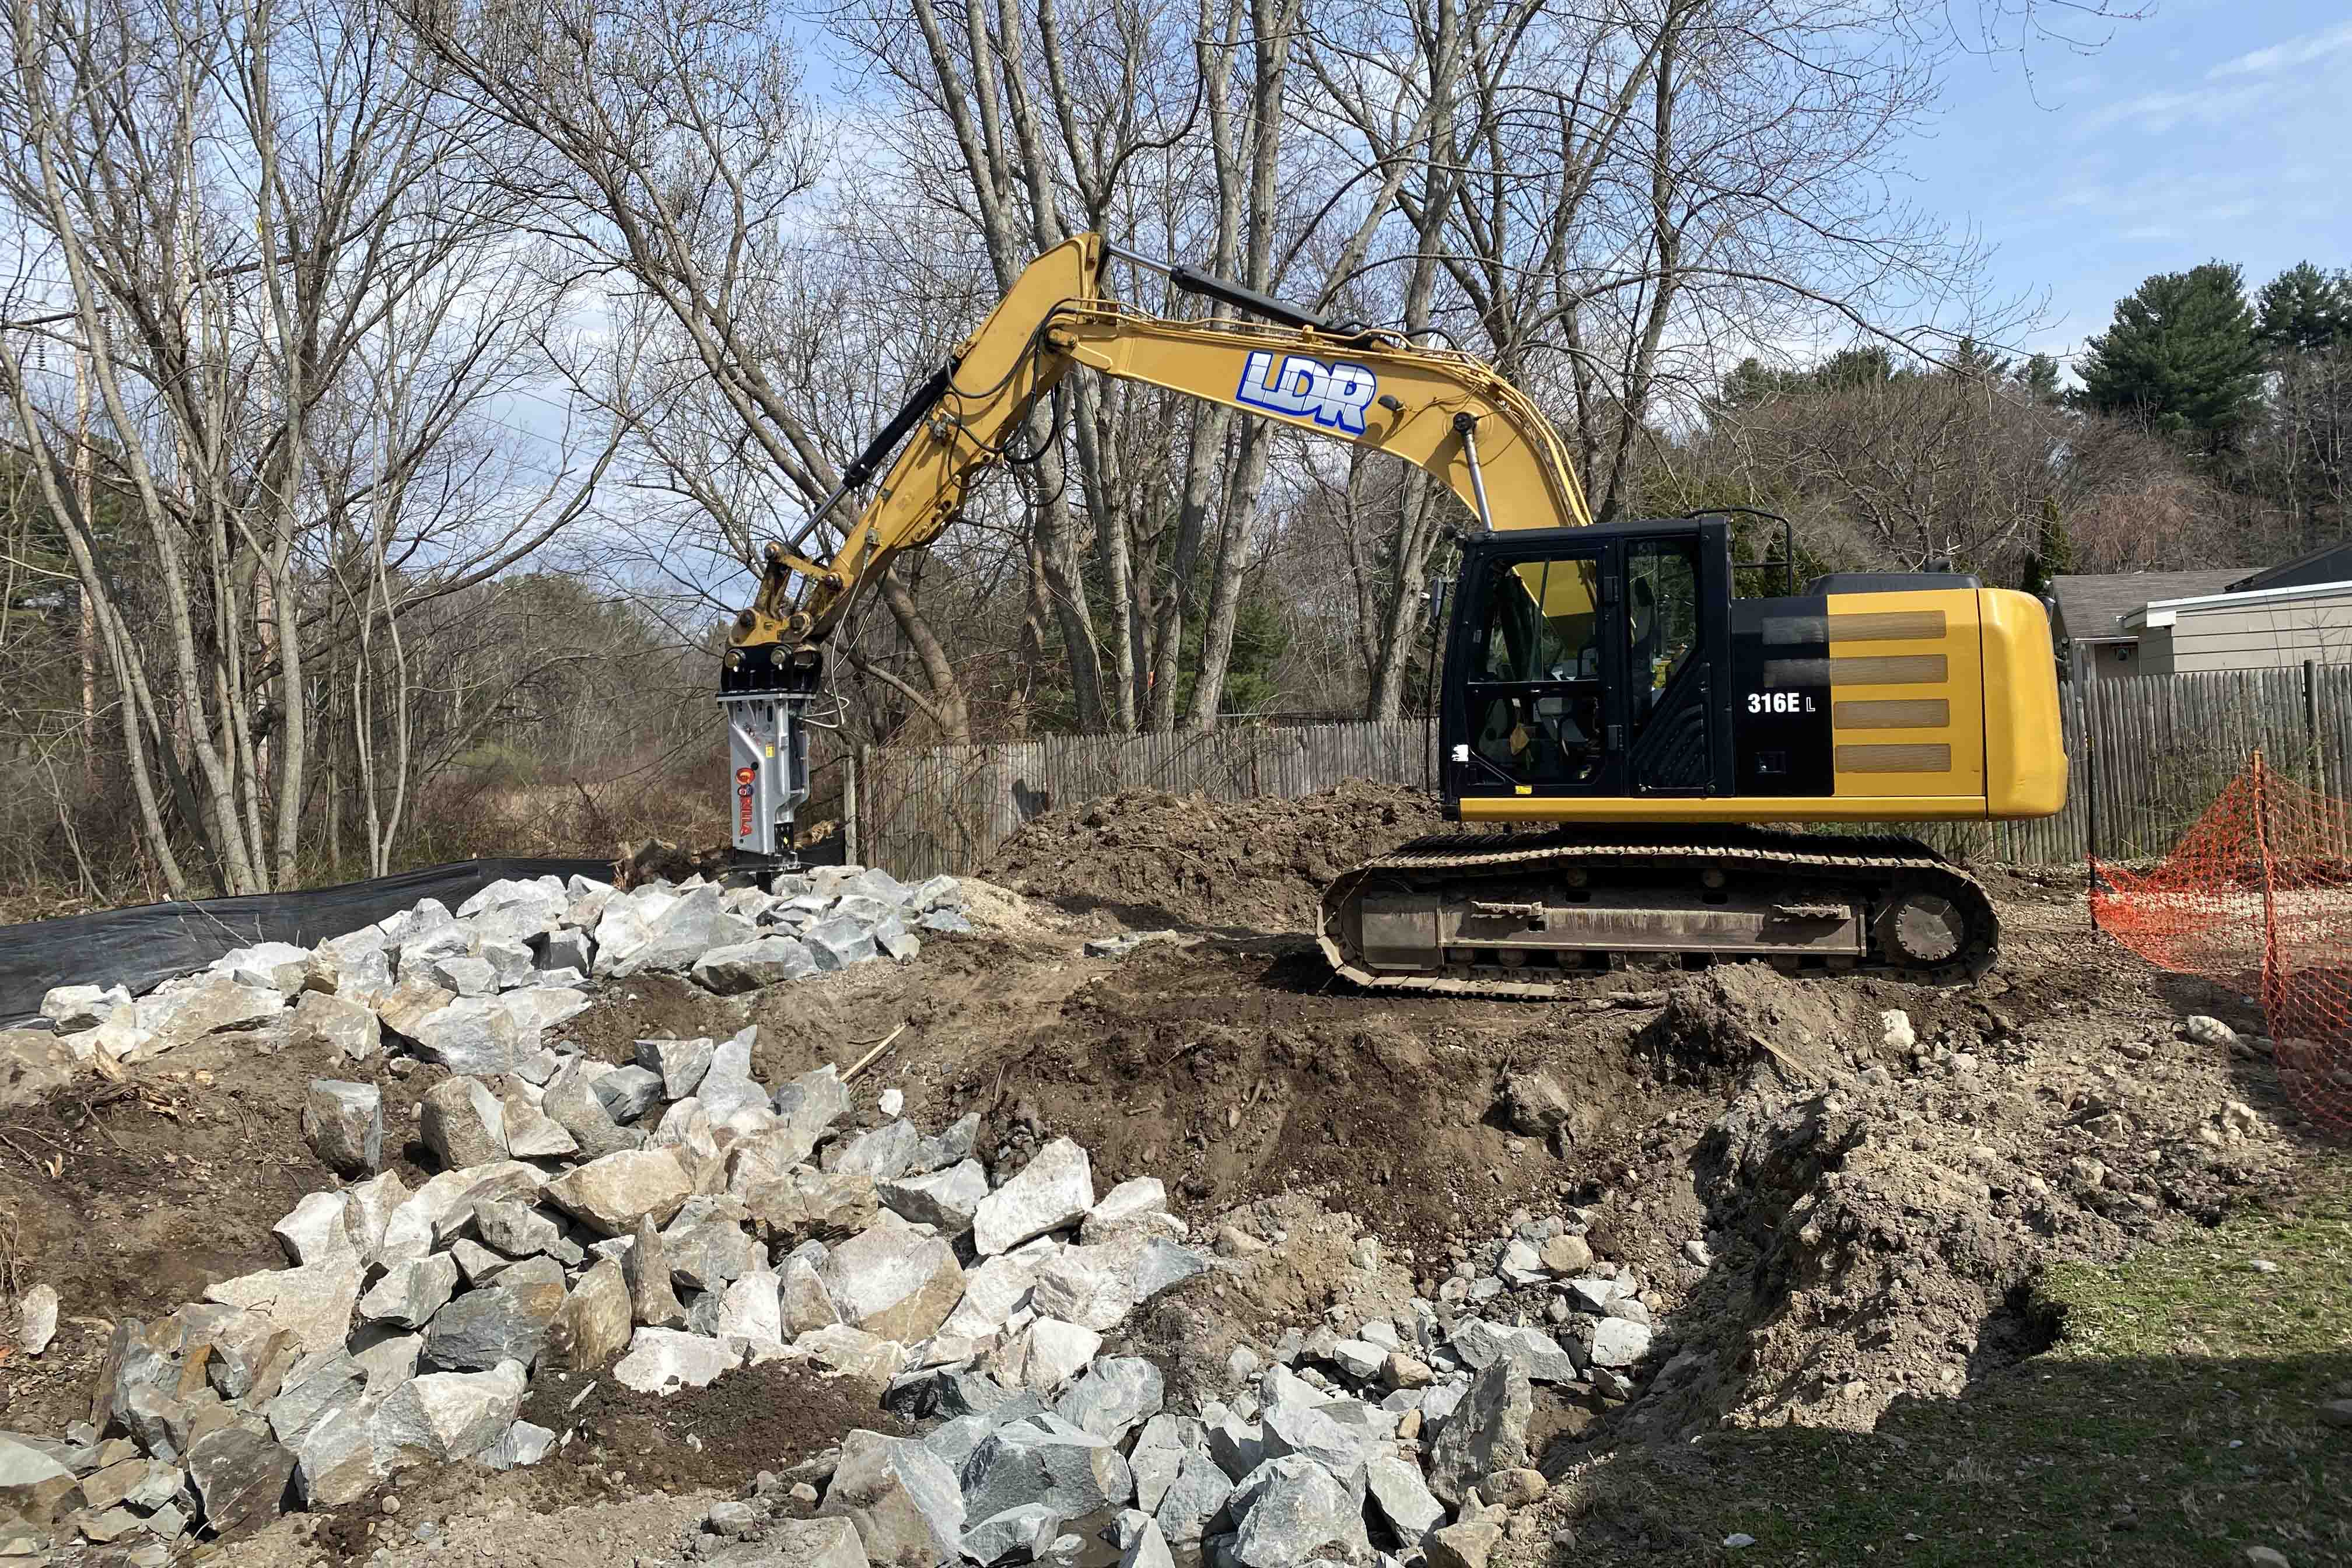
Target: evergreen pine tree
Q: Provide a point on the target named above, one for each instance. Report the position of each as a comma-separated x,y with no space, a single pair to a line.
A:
2181,355
2304,310
1972,359
2038,378
2053,550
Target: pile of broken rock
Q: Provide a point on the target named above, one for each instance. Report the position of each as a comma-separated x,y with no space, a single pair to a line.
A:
731,1223
674,1214
474,990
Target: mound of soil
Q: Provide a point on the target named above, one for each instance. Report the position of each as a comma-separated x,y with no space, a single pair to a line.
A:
1186,860
767,1417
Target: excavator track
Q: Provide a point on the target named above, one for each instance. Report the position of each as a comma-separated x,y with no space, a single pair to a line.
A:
1518,915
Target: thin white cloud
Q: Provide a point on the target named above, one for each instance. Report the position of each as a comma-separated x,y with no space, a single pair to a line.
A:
2302,51
2157,112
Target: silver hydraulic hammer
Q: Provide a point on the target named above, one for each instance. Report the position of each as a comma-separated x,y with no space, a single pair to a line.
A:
766,697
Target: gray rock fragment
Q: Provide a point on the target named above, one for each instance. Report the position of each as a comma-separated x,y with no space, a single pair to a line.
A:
242,1476
501,1323
710,1256
1194,1503
411,1292
883,1154
592,1326
946,1200
338,1023
1544,1358
313,1302
517,1228
336,1458
73,1008
951,1147
511,963
1144,1546
903,1502
1403,1498
572,1102
629,1092
652,1301
680,1063
463,1123
1020,1534
1116,1395
1045,1460
318,1228
1054,1189
524,1445
183,1010
663,1360
1485,1433
567,950
796,1543
1618,1343
764,961
610,1195
33,1485
343,1125
36,1318
474,1035
1158,1453
451,1415
892,1281
1291,1510
681,934
809,1105
837,943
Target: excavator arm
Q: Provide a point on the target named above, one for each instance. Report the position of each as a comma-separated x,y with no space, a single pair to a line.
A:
1448,412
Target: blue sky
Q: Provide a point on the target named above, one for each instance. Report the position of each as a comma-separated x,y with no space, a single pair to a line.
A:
2210,129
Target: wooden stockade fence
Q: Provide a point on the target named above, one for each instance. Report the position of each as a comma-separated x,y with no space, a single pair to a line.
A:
2146,754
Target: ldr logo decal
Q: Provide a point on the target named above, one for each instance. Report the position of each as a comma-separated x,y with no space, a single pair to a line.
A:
1333,395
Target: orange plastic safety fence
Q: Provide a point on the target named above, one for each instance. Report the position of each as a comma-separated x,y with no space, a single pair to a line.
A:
2258,895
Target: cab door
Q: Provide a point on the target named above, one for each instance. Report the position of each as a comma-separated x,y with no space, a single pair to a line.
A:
1538,711
1676,628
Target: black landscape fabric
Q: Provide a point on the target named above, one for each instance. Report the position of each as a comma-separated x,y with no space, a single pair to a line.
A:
145,945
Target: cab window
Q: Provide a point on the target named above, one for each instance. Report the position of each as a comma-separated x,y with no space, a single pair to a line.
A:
1540,623
1535,704
1660,620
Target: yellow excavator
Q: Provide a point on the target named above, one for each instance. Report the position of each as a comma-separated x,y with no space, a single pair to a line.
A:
1605,679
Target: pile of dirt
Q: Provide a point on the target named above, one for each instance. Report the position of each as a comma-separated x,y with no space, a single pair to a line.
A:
1186,860
767,1417
1867,1215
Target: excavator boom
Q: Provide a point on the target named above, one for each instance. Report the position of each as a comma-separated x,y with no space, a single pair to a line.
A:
1448,412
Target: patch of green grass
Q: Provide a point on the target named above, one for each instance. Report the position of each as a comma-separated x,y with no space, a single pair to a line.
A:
2175,1421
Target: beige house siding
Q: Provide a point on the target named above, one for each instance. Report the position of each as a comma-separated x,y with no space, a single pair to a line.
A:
2253,636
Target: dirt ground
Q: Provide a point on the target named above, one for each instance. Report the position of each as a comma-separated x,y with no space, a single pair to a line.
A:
1873,1212
1181,860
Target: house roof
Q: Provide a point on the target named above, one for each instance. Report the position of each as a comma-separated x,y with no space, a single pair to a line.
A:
2168,612
2329,563
2092,608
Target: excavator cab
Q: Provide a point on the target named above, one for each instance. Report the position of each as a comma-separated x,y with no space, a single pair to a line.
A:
1588,662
